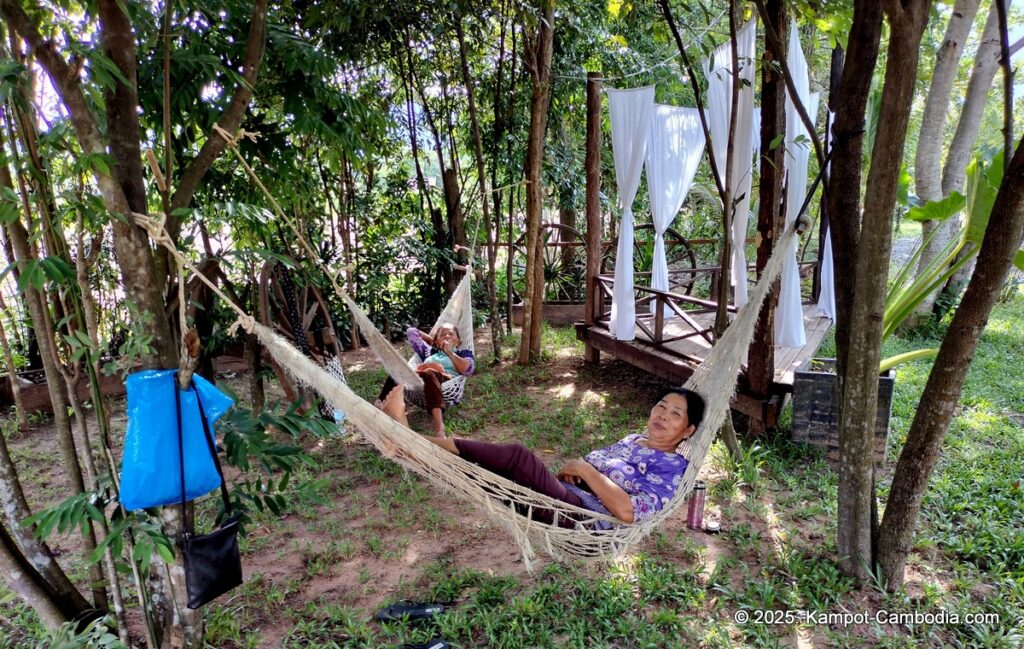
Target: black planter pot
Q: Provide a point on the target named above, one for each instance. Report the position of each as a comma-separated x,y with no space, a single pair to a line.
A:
816,406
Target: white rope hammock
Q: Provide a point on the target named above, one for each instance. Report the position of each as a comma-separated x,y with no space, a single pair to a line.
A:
714,379
459,312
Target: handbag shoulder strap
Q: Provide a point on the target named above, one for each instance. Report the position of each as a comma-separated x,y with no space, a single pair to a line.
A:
208,435
181,452
181,457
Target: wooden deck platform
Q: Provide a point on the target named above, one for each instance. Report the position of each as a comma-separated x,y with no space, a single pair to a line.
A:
675,361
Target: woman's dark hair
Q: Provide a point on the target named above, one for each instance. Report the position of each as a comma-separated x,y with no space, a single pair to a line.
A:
694,404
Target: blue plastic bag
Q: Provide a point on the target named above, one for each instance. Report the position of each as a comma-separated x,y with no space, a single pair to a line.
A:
150,471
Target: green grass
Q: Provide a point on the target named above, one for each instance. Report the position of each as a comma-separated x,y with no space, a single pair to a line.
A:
682,589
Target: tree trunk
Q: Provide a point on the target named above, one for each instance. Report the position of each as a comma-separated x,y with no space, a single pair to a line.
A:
844,199
131,243
594,302
26,582
927,167
954,174
12,374
485,194
230,120
537,59
945,382
860,391
13,504
456,221
835,74
770,217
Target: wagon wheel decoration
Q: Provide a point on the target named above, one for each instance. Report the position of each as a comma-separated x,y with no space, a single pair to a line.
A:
297,311
678,254
564,265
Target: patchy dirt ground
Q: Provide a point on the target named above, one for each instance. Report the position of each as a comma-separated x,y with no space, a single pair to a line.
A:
377,535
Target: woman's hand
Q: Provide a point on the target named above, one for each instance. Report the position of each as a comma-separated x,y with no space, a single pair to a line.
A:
610,494
573,470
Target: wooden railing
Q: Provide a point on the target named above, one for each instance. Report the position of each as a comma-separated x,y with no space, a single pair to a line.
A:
653,324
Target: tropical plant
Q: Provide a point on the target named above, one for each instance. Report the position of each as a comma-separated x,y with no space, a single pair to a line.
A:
907,290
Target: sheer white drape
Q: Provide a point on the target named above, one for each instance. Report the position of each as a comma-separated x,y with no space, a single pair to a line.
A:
789,314
827,296
718,70
630,113
673,153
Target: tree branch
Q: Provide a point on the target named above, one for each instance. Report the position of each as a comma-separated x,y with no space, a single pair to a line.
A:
229,120
698,98
798,104
1004,62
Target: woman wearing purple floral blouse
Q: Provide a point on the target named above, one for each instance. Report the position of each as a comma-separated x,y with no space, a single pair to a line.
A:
630,480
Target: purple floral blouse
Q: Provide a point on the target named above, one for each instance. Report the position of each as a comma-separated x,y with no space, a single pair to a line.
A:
649,476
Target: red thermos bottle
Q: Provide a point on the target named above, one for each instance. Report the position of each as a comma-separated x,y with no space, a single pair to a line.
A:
695,515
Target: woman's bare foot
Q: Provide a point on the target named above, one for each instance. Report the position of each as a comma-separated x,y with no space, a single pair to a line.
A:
394,405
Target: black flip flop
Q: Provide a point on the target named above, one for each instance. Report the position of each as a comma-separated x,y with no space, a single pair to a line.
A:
409,611
436,643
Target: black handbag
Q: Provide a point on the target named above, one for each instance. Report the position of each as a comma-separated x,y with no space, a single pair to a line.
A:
213,565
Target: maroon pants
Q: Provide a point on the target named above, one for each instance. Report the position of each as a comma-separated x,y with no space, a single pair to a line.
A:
432,380
520,465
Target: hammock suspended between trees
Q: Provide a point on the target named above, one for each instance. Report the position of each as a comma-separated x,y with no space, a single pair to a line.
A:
715,379
458,311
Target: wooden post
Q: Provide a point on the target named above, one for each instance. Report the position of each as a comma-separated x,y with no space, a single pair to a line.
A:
594,301
770,218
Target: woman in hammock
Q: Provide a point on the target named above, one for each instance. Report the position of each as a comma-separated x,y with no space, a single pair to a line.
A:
629,480
442,360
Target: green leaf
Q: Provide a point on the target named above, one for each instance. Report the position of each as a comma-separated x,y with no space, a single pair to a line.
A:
1018,260
982,186
891,362
939,210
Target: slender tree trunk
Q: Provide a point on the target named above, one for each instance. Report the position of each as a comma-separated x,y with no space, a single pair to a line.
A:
835,74
860,392
12,374
537,59
847,162
945,382
485,202
927,160
15,506
770,218
961,148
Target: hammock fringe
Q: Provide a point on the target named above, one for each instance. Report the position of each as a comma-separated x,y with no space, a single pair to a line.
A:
715,379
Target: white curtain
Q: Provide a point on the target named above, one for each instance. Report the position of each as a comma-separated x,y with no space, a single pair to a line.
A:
718,70
630,113
827,296
789,314
673,153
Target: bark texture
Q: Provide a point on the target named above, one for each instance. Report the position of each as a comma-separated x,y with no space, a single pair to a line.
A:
961,148
945,382
25,582
485,194
12,499
928,158
131,245
770,217
860,391
537,60
844,199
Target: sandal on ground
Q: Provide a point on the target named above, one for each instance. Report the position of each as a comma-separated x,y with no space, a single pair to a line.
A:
436,643
410,611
